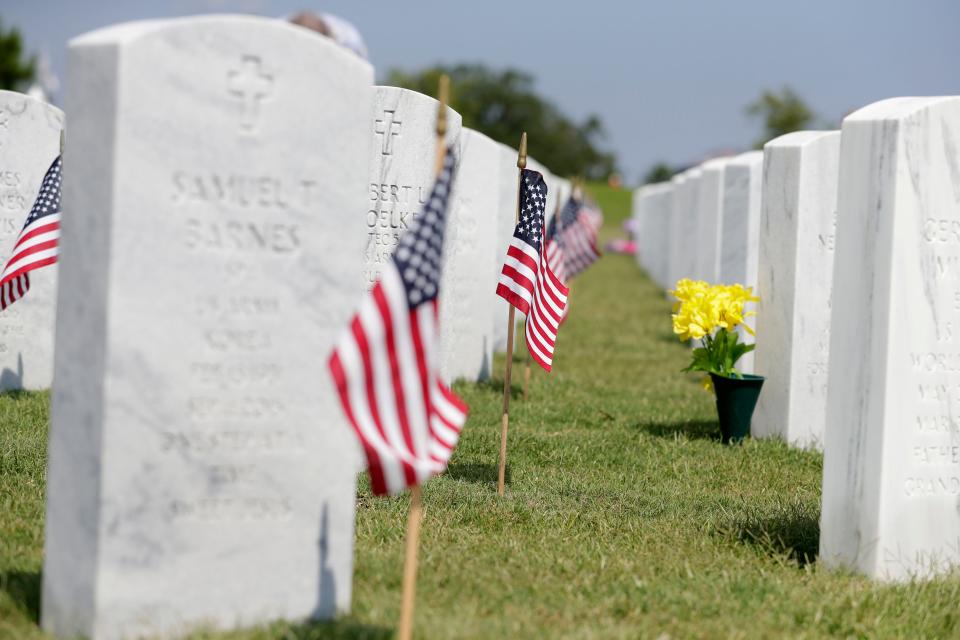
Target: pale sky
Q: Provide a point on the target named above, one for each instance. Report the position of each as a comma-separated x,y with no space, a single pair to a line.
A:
669,79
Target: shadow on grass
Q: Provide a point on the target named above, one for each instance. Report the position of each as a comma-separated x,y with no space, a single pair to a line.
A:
480,473
792,530
338,630
23,587
17,394
696,430
495,385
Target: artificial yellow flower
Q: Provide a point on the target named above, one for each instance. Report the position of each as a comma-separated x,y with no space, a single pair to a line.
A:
701,308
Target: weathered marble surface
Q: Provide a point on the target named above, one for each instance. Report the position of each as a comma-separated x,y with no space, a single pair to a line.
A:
710,219
659,204
740,229
507,185
642,227
794,280
402,166
200,469
29,142
891,475
652,211
466,341
683,226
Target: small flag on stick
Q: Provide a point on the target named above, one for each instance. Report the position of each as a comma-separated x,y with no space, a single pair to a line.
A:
38,244
526,281
386,367
386,364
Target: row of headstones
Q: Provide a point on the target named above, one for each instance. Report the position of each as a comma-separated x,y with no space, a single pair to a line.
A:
851,239
487,190
232,187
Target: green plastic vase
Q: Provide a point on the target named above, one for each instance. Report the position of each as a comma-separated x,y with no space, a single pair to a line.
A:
736,400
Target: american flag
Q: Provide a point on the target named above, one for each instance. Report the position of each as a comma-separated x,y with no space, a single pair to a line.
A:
555,255
526,281
577,234
38,242
386,363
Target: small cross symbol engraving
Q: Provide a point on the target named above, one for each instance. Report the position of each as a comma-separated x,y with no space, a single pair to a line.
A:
251,85
385,128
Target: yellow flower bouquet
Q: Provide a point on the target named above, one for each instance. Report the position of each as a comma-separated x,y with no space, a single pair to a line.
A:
710,313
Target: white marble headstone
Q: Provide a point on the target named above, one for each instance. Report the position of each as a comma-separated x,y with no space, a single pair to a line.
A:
29,143
507,185
710,219
658,204
201,471
649,211
740,229
402,168
639,217
891,468
466,290
794,280
675,222
683,226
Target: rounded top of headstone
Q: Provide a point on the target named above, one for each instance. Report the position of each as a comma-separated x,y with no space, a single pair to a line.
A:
748,158
214,28
654,189
800,138
897,108
387,93
472,141
716,164
534,165
15,103
467,132
399,99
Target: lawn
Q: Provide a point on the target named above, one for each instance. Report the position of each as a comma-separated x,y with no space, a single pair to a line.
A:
624,515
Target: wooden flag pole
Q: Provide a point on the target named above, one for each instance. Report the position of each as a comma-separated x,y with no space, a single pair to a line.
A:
511,330
415,517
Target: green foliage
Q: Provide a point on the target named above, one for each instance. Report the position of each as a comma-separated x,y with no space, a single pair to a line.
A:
624,516
660,172
719,354
16,68
780,113
504,104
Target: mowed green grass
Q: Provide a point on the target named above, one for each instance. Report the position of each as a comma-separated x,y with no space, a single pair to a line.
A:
624,515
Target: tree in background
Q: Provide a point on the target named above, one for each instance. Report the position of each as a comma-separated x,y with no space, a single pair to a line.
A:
781,113
660,172
503,104
16,69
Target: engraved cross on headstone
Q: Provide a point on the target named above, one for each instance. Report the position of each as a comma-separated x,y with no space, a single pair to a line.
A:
384,127
251,85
